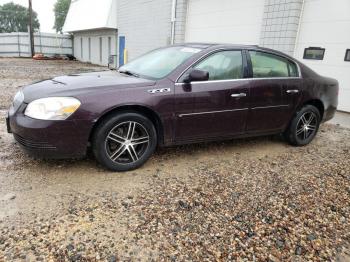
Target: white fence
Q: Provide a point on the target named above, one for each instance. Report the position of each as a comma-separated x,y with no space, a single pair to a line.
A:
17,44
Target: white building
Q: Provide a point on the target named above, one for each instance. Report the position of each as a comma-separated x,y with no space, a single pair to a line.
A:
316,32
94,28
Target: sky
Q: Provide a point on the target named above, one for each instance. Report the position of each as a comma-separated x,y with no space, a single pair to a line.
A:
44,8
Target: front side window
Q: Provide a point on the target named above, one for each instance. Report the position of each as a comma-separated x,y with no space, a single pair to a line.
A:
267,65
223,65
159,63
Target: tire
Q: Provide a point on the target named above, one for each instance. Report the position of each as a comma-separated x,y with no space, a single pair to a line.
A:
304,126
124,141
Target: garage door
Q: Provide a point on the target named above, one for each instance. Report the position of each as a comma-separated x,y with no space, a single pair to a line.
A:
224,21
326,24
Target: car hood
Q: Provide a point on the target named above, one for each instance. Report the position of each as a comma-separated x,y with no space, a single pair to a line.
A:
76,84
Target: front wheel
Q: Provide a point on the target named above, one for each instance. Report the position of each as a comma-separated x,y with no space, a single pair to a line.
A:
304,126
124,141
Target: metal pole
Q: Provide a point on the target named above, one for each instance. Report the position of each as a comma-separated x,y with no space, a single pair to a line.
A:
173,21
18,44
31,34
41,47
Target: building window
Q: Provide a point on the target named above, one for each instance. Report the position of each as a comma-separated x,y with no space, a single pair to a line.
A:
89,49
314,53
347,55
109,46
81,48
100,49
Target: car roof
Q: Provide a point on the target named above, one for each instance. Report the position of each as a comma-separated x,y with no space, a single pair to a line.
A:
217,45
238,46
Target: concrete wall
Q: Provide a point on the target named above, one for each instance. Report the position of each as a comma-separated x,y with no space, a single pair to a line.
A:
280,24
180,23
17,44
94,54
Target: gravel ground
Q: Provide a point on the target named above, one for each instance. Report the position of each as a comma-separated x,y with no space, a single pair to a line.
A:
253,199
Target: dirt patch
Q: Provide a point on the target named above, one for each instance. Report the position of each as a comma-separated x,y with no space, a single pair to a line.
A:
253,199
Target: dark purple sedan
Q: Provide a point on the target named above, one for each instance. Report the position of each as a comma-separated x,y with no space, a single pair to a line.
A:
175,95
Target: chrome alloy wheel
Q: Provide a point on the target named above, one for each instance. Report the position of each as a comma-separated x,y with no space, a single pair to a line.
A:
306,126
127,142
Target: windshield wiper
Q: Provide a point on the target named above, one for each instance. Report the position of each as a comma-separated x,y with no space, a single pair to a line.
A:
129,73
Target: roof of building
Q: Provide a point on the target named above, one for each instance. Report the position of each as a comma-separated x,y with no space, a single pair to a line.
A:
91,14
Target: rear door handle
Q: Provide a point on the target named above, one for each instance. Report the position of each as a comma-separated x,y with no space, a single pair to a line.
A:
239,95
292,91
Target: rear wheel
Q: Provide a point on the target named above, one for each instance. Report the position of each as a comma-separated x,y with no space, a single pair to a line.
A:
304,126
124,141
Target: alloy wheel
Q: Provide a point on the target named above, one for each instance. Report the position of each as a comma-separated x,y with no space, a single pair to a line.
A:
127,142
306,126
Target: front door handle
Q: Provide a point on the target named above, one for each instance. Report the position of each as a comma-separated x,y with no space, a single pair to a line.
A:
239,95
292,91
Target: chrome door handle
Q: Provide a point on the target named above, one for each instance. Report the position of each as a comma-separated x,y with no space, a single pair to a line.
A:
292,91
239,95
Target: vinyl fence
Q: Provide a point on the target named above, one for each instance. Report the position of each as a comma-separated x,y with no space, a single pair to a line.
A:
18,44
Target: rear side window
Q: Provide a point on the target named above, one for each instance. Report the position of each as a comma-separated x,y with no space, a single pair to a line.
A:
223,65
267,65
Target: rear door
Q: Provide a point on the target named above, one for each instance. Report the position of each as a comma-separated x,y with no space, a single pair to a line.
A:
217,107
274,91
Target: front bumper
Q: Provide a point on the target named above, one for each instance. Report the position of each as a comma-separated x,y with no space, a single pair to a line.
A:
49,139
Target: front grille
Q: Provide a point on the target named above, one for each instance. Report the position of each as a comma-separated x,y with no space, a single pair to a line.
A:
33,144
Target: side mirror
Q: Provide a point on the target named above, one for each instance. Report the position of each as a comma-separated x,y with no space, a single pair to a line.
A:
196,75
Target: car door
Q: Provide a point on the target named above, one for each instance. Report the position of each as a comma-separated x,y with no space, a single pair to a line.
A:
217,107
274,90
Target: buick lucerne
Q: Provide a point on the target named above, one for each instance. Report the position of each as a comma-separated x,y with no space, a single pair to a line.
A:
174,95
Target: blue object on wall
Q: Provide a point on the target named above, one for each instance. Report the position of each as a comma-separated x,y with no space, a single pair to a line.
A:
121,50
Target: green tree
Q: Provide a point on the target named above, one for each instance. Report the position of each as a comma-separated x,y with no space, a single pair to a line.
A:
14,18
61,9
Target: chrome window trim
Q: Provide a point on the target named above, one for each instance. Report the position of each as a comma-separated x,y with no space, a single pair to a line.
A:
235,80
241,49
212,112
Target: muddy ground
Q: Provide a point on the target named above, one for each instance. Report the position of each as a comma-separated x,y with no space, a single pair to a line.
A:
253,199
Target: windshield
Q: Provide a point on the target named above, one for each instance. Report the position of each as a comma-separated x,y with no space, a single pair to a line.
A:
159,63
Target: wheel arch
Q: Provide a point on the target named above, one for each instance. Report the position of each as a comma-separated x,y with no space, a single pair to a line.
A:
140,109
316,103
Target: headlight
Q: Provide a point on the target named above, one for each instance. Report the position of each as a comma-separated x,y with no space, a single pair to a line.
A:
52,108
